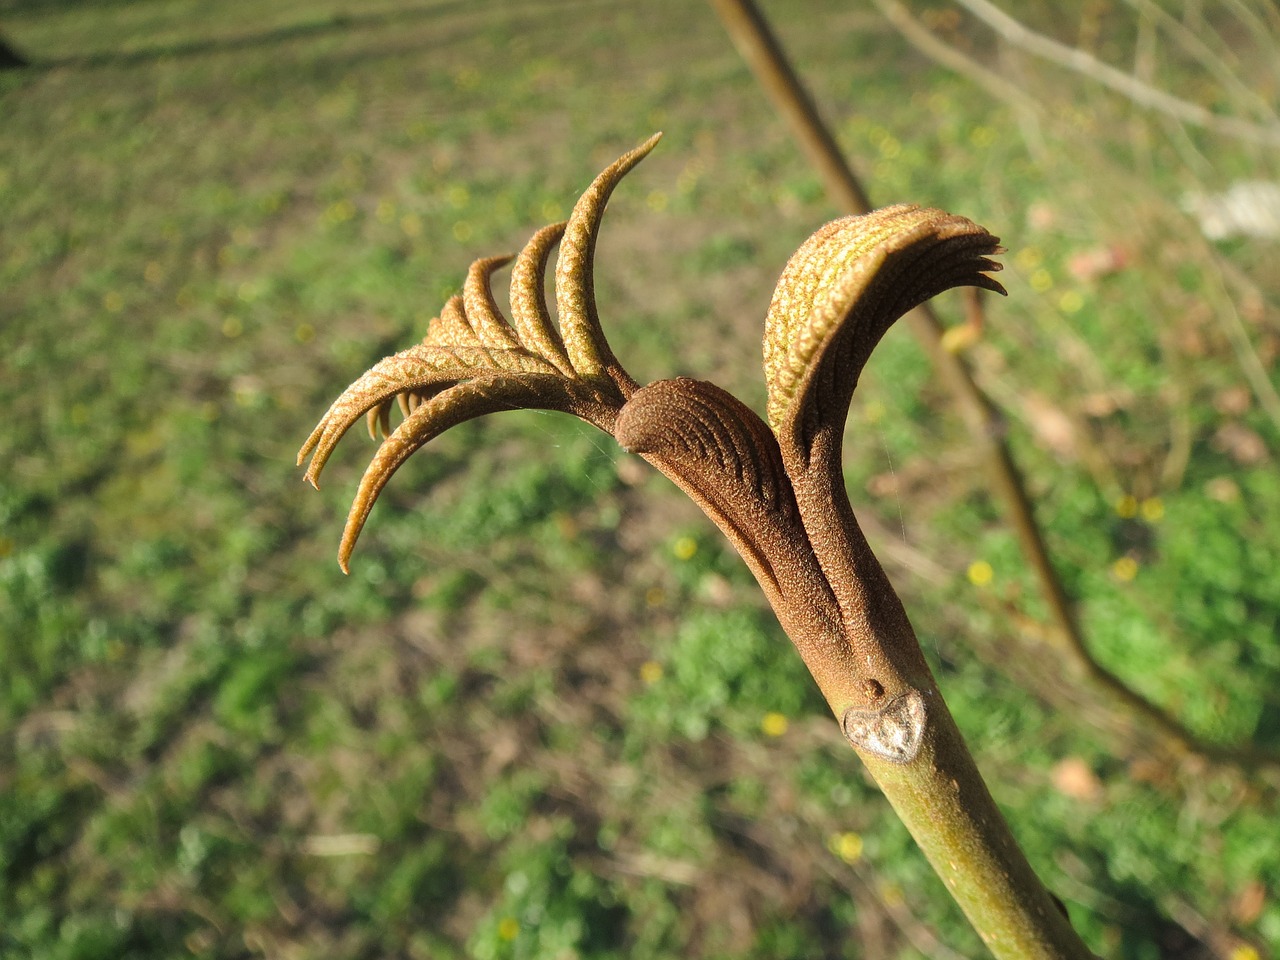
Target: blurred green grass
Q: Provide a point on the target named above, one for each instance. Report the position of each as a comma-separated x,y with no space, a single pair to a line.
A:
532,721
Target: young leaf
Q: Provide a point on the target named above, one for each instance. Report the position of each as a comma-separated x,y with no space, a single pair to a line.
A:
474,361
842,290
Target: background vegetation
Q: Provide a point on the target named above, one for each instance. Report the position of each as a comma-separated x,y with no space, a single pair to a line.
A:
549,715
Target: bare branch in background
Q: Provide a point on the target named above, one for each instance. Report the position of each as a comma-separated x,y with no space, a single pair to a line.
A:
1145,95
1192,42
924,40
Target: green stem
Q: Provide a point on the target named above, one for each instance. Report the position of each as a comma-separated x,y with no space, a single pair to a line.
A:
942,800
909,740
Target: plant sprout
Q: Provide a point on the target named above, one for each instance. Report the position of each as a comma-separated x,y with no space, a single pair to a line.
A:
775,489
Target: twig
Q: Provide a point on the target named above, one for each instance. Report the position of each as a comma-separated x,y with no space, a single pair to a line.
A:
1250,363
1262,34
1193,44
924,40
1072,58
997,87
757,45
